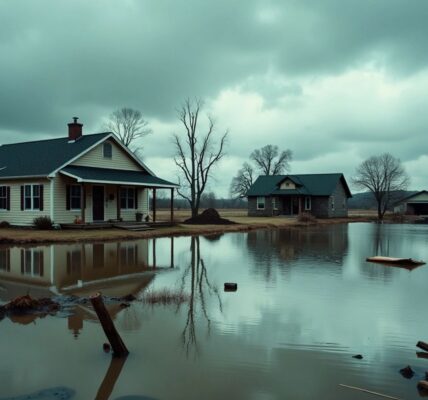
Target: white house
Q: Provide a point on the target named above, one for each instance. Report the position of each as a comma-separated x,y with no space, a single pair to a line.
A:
77,178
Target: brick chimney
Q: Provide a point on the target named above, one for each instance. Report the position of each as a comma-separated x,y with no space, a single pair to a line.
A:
74,130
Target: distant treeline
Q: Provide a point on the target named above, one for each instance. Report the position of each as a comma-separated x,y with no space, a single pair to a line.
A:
367,201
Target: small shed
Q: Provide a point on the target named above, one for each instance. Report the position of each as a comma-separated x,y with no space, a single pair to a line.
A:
415,204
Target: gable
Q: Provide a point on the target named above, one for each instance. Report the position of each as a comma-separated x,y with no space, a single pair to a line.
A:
119,158
287,184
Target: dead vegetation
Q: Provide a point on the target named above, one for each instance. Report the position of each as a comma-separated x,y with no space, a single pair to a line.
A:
23,305
165,297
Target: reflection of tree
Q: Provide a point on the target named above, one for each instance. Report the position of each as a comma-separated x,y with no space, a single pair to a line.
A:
381,241
200,290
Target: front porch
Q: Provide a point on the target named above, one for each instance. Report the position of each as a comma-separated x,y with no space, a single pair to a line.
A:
103,198
291,205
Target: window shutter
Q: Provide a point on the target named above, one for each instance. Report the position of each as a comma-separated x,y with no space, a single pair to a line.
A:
67,200
8,198
136,198
22,198
41,197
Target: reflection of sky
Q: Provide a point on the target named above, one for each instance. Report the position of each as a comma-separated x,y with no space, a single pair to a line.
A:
306,302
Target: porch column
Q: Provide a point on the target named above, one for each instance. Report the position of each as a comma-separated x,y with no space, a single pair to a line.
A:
154,205
300,205
172,205
172,251
83,202
118,203
154,253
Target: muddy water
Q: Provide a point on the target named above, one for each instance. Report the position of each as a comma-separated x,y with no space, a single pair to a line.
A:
306,303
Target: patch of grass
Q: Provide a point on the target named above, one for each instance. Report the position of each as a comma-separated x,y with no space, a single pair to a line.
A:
165,297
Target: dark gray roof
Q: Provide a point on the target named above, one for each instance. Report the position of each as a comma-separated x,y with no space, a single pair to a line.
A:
306,184
41,157
91,174
410,197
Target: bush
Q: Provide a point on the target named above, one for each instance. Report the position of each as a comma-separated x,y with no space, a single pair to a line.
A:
306,218
43,223
4,224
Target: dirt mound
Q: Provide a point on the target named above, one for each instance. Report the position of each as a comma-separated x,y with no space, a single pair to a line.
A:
210,216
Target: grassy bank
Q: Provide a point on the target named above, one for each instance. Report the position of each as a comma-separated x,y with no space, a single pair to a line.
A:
243,223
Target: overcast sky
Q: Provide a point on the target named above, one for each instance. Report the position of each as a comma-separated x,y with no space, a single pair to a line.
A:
334,81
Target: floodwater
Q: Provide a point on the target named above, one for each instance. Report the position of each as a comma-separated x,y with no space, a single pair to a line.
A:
306,303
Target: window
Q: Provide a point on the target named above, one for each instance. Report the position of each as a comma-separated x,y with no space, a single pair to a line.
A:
5,260
32,197
260,203
308,203
127,198
74,261
332,203
107,150
274,203
32,262
4,197
76,197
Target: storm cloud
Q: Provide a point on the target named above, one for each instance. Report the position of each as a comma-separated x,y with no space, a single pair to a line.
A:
333,81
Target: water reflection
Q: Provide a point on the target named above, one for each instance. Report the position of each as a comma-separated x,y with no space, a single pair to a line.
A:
306,302
195,279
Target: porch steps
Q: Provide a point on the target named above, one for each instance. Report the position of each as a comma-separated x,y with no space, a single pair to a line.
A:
133,227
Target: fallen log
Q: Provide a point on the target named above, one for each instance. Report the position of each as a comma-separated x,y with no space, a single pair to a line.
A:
119,348
422,345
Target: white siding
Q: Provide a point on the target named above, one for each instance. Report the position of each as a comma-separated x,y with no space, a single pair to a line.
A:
63,216
15,215
120,159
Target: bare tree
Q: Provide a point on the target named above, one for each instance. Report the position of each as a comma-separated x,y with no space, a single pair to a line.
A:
128,125
197,154
242,181
385,177
270,161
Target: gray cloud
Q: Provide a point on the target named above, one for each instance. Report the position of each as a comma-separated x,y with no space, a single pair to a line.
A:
61,59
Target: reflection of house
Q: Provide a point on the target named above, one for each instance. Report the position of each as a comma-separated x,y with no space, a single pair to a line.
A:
322,195
81,269
416,204
89,178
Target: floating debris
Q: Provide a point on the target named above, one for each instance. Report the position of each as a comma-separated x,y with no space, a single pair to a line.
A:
230,287
422,345
407,372
358,356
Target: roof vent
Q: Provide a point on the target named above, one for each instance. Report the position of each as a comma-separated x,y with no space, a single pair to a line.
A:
74,130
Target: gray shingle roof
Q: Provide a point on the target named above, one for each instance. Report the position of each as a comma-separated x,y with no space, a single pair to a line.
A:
91,174
307,184
40,158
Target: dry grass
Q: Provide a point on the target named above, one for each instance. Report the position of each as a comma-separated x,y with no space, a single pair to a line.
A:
165,297
243,223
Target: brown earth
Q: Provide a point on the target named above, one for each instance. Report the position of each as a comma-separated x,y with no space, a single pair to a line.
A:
241,223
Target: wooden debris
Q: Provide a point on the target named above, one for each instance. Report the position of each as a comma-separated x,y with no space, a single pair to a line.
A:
423,385
358,356
421,354
422,345
119,348
370,392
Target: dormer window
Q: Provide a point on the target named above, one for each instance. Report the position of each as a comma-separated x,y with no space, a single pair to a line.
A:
107,150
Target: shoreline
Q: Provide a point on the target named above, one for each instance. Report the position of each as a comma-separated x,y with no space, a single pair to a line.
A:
19,236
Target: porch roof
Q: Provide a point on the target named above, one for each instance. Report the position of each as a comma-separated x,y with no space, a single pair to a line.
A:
115,176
